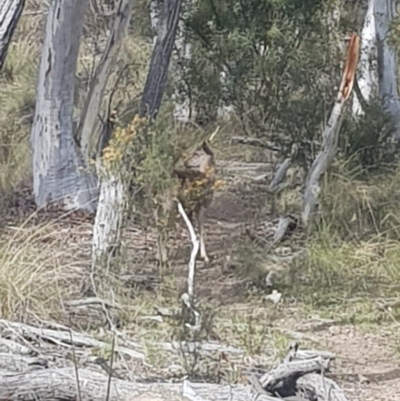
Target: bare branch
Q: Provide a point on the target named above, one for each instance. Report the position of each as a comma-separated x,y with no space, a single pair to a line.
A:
280,175
195,249
255,142
330,135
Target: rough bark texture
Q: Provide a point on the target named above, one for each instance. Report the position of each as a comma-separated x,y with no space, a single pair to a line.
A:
297,378
109,218
89,124
367,76
385,12
61,384
59,173
10,12
322,162
160,59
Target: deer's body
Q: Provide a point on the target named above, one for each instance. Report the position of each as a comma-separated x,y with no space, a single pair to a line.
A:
197,179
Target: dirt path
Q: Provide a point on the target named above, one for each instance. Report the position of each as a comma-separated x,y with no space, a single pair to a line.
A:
367,364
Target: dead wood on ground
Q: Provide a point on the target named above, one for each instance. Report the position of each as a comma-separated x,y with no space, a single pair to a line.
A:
301,377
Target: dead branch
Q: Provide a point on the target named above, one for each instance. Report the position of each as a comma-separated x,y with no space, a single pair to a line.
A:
62,338
299,377
255,142
187,299
331,134
279,175
285,224
60,384
287,371
65,338
92,301
195,249
27,379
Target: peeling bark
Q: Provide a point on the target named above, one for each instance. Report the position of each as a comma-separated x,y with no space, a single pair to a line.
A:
367,78
109,219
330,135
10,12
59,171
385,12
111,207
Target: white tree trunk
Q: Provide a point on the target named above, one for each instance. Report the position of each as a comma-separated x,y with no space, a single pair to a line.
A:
109,218
10,12
367,75
385,12
111,206
89,124
59,173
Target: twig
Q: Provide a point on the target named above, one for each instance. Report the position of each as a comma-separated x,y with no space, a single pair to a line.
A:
255,142
214,134
197,322
187,299
111,369
78,386
195,249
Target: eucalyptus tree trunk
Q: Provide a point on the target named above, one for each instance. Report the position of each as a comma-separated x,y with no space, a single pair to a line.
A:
109,219
385,12
59,171
10,12
160,58
89,125
113,192
367,77
111,206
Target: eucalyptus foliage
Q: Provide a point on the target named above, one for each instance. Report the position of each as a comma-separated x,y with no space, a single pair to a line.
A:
280,63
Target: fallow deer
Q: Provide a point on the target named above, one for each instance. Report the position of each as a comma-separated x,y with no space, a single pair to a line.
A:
197,180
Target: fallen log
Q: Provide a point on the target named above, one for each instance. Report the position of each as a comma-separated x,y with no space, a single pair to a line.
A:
299,377
61,384
68,339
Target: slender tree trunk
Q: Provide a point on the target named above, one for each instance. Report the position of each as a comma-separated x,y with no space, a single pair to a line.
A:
367,75
330,136
88,129
385,12
59,173
10,12
111,207
109,219
160,58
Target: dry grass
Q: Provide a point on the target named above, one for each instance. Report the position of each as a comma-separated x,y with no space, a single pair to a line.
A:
37,274
352,272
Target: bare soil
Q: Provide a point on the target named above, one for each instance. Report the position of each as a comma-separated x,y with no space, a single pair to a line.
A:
367,364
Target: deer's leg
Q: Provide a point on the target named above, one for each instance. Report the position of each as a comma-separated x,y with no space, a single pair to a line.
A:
162,238
200,219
